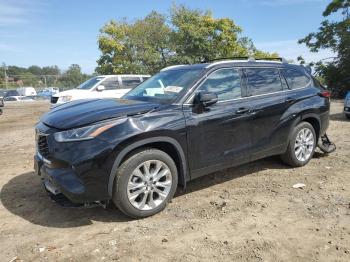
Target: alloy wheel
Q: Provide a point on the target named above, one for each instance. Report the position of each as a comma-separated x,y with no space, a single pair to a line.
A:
149,185
304,144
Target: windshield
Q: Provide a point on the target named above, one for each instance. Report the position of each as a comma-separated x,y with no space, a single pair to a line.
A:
165,86
90,83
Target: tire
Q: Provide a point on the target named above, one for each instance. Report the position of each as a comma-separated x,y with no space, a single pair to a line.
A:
152,188
347,116
293,156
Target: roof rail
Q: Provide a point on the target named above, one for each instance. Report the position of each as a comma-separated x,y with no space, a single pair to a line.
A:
249,58
281,59
169,67
227,58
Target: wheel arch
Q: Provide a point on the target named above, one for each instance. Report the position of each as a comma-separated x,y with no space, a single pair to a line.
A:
167,144
314,120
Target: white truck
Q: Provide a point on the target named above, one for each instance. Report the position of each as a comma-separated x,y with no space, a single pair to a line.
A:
103,86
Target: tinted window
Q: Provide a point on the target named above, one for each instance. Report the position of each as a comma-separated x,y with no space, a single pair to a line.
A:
111,83
263,80
226,83
295,78
130,82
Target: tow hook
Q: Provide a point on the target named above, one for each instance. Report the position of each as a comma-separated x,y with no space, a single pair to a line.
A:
326,145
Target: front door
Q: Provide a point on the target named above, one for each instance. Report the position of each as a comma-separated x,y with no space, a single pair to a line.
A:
111,85
218,137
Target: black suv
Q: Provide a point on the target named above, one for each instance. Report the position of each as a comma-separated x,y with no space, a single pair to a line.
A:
182,123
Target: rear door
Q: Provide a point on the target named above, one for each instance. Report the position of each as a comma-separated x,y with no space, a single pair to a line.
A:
270,99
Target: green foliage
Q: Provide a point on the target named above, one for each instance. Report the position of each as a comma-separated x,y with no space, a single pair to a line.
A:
334,35
189,36
198,36
37,76
72,77
140,47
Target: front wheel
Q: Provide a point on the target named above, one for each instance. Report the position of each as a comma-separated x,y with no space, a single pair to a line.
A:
347,116
301,147
145,183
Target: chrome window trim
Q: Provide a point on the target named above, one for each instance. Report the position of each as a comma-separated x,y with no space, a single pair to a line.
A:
246,97
194,87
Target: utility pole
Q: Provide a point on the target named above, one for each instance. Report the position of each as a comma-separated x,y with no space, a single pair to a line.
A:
5,68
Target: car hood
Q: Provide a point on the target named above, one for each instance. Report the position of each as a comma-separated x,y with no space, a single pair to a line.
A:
83,112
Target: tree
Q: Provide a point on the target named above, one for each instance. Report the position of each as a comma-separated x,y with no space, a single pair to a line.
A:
200,37
151,43
35,70
334,35
72,77
139,47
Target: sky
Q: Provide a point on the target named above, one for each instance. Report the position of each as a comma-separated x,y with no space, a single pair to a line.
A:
63,32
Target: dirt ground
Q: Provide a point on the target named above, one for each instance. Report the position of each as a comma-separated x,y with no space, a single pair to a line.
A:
249,213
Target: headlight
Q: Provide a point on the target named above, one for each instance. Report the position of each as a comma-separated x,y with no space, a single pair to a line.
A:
65,99
87,132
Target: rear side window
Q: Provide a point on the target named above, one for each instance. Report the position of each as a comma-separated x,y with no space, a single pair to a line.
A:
111,83
263,80
226,83
130,82
296,78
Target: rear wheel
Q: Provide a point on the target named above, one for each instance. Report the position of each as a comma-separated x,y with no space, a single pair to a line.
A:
145,183
347,116
302,144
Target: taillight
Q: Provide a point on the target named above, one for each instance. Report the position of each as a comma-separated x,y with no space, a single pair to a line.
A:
325,93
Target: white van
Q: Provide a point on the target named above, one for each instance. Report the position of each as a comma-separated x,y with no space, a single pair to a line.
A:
26,91
104,86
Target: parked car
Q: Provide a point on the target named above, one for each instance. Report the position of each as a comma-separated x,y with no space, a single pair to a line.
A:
182,123
26,91
347,105
1,103
10,92
104,86
48,92
18,98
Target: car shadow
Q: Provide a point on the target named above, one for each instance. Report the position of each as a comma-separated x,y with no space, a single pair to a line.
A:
25,196
338,117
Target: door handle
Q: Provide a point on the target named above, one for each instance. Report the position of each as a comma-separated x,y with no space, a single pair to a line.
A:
290,100
242,110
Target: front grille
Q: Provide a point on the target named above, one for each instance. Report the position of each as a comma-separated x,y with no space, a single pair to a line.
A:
43,146
54,99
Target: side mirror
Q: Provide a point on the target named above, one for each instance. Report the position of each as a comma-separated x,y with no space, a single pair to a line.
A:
100,88
206,98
